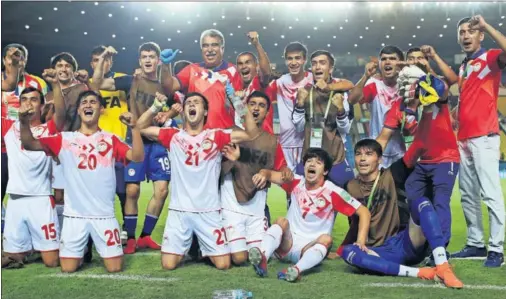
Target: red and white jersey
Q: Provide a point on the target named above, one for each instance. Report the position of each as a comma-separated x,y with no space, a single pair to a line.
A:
312,212
88,167
29,171
286,91
195,163
381,97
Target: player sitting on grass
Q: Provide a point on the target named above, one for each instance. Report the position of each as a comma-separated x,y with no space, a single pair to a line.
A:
303,237
195,157
87,156
408,248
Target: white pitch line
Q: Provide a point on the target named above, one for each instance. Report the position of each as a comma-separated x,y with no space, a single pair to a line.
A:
113,277
435,286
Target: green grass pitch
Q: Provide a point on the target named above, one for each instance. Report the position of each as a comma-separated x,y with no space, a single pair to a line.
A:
143,276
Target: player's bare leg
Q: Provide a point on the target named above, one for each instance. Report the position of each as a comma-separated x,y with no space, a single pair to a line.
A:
114,264
312,254
50,258
131,210
221,262
153,211
277,237
171,261
70,265
239,258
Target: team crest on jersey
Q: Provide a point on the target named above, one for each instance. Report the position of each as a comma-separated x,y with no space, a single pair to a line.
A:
103,147
477,67
207,144
38,131
321,202
131,172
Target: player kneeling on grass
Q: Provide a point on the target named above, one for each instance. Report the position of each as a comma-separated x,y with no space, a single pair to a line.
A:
31,220
88,156
408,248
195,157
304,236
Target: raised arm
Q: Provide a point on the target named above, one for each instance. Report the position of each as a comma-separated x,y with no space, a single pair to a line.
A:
384,137
356,93
10,76
50,76
27,140
450,76
99,82
251,130
136,153
263,60
480,23
169,82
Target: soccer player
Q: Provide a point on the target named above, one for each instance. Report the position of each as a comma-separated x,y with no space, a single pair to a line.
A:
142,91
478,138
31,220
321,112
304,236
381,191
115,105
244,185
88,156
210,78
256,75
381,94
396,256
195,156
438,166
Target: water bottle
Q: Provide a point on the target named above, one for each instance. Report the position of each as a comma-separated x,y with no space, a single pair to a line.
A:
232,294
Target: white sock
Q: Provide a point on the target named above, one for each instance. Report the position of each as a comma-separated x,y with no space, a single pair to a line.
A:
439,254
408,271
271,240
312,257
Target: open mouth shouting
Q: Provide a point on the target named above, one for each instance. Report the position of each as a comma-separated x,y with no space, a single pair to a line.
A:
318,75
245,73
311,173
389,69
88,112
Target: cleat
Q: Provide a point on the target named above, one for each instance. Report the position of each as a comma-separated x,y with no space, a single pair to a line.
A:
427,273
444,274
131,247
494,260
148,242
470,252
258,261
291,274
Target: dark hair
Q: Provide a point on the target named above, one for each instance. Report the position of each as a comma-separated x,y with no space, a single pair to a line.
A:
369,144
17,46
87,93
98,50
321,154
150,46
65,56
296,47
247,53
392,50
462,21
259,94
32,89
326,53
179,66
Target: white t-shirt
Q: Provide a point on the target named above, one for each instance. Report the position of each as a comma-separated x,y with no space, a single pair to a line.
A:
195,163
312,213
88,167
286,91
381,97
29,171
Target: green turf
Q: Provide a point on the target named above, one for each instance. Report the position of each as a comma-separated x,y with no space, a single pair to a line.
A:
334,279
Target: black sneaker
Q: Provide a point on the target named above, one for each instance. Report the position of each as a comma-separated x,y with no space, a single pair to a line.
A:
470,252
494,259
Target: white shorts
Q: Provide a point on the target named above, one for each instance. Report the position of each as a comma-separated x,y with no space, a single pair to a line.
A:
293,156
243,231
58,179
103,231
294,254
208,226
31,223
